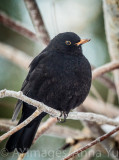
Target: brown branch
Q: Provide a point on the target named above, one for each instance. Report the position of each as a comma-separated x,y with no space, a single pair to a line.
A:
98,140
37,21
97,131
15,55
105,68
97,106
111,17
17,27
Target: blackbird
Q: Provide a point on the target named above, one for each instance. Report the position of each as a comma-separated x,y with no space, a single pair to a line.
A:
60,77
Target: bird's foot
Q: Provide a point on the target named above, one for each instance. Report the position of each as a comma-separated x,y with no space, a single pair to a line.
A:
62,114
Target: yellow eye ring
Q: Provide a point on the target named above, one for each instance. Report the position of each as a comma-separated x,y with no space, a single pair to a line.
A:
67,42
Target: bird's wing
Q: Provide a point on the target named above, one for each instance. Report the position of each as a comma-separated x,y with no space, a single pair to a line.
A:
25,87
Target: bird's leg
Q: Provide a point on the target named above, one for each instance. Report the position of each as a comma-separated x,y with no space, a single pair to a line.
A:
58,118
65,116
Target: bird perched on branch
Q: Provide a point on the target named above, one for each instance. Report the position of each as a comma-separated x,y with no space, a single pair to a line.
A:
60,77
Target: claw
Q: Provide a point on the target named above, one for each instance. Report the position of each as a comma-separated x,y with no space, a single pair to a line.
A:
61,113
59,119
65,116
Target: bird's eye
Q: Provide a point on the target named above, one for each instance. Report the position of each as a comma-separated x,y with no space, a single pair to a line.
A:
68,42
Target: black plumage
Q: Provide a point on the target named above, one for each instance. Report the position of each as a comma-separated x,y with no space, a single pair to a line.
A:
60,77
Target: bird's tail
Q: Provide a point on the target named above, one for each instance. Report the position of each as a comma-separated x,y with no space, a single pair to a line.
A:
22,139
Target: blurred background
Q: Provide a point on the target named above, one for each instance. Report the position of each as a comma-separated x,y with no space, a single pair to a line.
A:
83,17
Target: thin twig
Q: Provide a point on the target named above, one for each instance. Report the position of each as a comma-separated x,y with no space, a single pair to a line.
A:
97,131
17,27
5,127
56,130
21,125
37,21
7,121
98,140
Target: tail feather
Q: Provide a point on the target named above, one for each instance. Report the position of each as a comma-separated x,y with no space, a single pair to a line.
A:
17,110
22,139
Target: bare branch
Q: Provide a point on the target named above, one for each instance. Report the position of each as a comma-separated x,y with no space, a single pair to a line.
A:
97,131
17,26
15,55
57,130
105,68
55,113
37,21
111,17
40,106
98,140
5,127
7,121
63,131
21,125
97,106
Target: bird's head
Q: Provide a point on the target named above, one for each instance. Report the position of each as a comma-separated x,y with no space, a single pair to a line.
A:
68,43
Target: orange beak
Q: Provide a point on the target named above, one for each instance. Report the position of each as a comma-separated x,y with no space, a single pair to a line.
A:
82,41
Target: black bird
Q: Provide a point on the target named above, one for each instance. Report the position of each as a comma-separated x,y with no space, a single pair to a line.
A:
60,76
